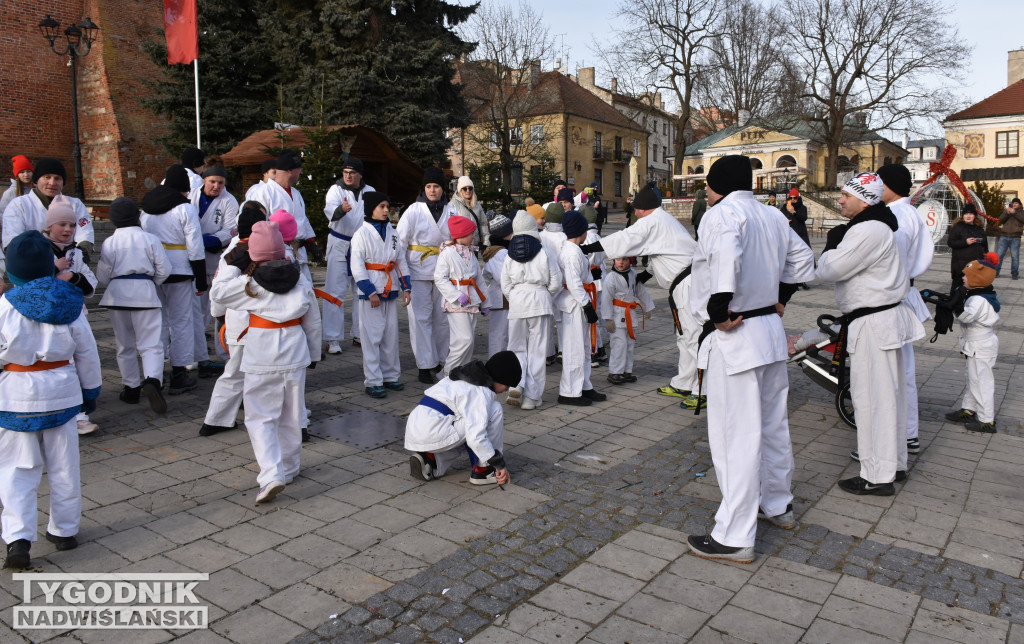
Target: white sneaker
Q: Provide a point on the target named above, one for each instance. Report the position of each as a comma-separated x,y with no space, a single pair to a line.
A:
269,491
86,427
529,403
334,347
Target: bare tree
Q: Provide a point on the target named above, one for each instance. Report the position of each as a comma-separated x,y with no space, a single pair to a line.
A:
499,77
861,64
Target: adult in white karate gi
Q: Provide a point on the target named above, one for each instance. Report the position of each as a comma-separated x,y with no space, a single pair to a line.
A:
863,259
659,236
281,194
218,212
421,230
344,210
267,172
747,263
28,212
168,216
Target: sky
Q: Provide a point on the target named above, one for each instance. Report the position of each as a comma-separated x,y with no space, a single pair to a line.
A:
990,27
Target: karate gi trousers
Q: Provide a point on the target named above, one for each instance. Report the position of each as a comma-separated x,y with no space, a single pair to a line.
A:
22,458
575,354
620,359
228,391
980,394
686,378
378,330
528,340
910,380
337,284
428,325
178,306
462,339
201,318
497,331
137,333
880,407
273,406
748,431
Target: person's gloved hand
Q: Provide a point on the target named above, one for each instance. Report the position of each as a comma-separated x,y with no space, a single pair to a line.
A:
484,311
609,326
463,299
596,273
240,260
590,313
643,276
88,406
212,243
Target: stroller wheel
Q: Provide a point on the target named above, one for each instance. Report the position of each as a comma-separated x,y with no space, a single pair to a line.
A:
844,405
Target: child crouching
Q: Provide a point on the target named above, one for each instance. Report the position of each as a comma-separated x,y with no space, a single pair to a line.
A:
624,300
463,411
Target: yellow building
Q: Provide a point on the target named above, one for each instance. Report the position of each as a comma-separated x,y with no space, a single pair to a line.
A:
789,154
589,140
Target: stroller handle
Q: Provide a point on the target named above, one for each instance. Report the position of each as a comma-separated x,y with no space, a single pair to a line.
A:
825,323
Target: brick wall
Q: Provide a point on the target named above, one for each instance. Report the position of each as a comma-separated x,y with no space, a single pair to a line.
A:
118,152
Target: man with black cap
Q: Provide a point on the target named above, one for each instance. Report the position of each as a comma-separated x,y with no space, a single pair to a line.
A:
344,210
194,162
28,212
558,185
863,259
422,229
218,212
462,412
267,172
281,194
168,216
670,247
743,355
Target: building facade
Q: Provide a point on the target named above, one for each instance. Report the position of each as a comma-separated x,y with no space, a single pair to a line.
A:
920,155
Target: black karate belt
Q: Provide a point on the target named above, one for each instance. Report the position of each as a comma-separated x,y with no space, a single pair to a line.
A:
709,326
672,302
839,357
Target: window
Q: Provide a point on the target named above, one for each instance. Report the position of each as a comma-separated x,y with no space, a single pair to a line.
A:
664,153
664,128
654,126
618,184
516,136
915,154
1006,144
929,153
597,142
517,178
636,147
493,139
599,178
536,134
654,151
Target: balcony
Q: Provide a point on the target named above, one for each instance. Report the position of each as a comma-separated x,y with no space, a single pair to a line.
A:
603,153
622,156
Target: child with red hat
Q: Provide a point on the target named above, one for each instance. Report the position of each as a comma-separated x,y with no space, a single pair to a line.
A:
21,181
456,275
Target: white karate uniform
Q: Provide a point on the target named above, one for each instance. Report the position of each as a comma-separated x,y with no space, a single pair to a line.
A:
179,226
868,272
428,323
220,220
378,327
24,454
451,266
252,194
134,304
195,180
229,388
11,193
274,198
597,260
978,341
623,288
670,248
477,422
77,258
339,277
497,329
745,369
28,213
575,330
552,238
274,365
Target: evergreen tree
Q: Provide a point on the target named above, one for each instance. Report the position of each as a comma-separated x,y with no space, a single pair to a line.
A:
238,72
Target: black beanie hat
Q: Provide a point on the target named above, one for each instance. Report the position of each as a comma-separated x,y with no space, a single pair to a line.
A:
29,257
288,160
192,158
49,166
216,171
574,224
123,213
370,202
646,199
969,208
433,175
246,219
896,177
267,165
352,163
731,173
177,178
504,368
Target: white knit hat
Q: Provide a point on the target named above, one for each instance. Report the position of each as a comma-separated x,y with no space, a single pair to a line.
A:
866,186
464,182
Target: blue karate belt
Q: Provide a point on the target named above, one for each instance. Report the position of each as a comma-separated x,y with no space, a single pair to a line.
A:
436,405
348,253
133,276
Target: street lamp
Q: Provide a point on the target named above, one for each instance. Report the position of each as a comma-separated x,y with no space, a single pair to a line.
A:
785,178
79,40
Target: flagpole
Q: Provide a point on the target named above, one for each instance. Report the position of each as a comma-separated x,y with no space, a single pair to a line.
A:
196,70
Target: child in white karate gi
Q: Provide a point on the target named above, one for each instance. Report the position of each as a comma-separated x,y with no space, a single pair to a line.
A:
284,338
51,372
463,411
624,302
494,258
456,276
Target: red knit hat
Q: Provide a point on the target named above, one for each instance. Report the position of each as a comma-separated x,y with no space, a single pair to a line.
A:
265,242
21,163
794,193
460,226
286,224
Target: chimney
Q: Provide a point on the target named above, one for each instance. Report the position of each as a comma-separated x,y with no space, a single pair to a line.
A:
1015,66
742,117
534,75
585,77
615,85
906,140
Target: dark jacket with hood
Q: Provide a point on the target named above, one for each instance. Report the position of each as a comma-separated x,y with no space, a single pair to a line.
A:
962,252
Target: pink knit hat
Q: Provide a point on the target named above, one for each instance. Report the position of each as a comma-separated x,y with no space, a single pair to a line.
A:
286,222
460,226
60,210
265,242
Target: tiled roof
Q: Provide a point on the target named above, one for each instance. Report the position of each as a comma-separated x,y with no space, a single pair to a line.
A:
927,143
1005,102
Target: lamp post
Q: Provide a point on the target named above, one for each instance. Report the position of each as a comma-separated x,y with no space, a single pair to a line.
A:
79,40
785,178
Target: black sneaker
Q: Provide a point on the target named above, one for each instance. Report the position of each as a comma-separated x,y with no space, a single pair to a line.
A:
913,446
181,381
629,377
616,379
551,359
151,390
960,416
576,401
210,369
486,477
305,435
439,368
130,395
985,428
62,543
901,475
596,396
426,376
210,430
394,386
356,342
706,547
17,554
422,466
858,485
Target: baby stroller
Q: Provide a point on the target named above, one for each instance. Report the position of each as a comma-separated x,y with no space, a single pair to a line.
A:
820,361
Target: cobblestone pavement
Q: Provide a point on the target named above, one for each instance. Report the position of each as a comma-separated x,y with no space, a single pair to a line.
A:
587,544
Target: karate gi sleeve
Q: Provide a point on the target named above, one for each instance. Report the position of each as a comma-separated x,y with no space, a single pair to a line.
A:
924,255
554,274
311,325
227,224
799,266
575,266
607,311
331,202
506,279
105,267
83,231
403,264
87,357
724,254
229,292
442,276
846,260
189,218
974,310
476,419
628,241
161,267
644,297
83,277
13,220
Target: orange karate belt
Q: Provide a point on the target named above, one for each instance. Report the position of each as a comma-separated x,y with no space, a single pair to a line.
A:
591,290
257,322
40,365
471,282
387,268
327,297
629,306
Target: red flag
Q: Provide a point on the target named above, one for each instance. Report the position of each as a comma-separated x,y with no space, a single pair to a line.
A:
182,30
